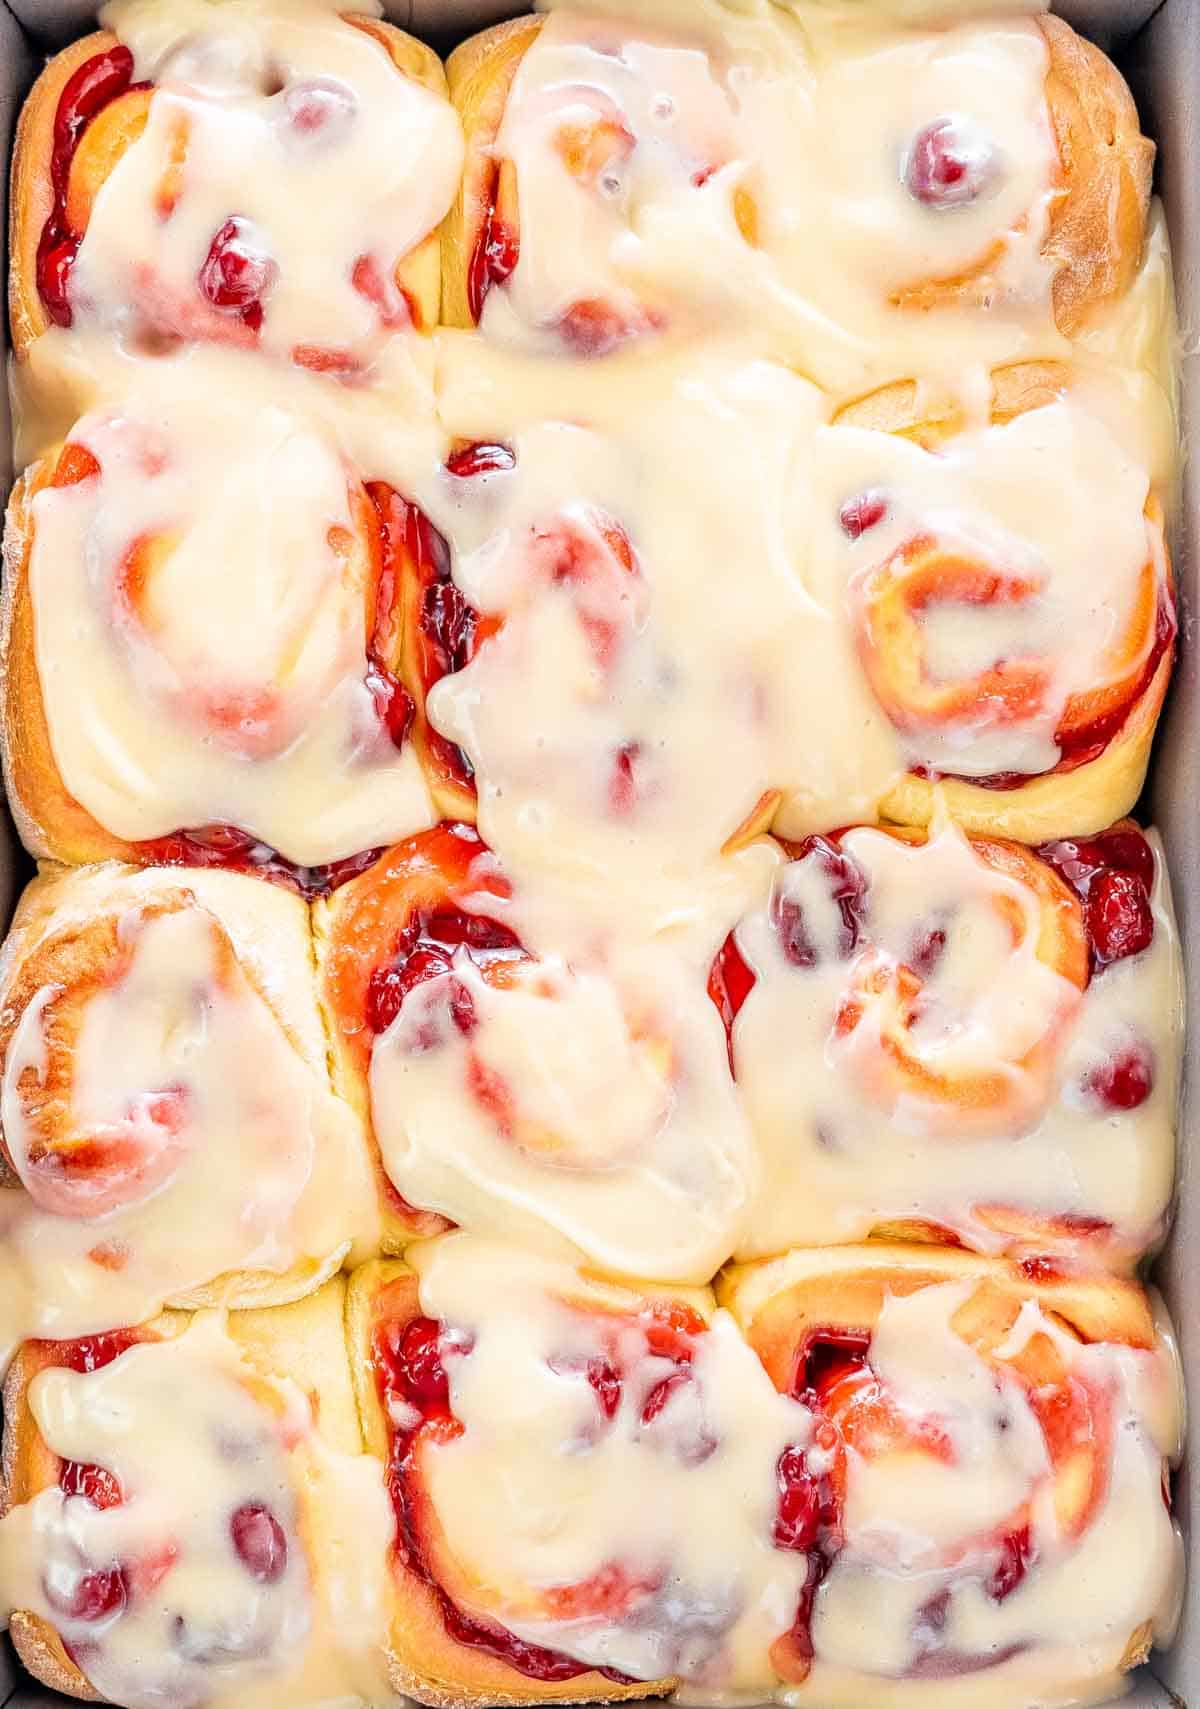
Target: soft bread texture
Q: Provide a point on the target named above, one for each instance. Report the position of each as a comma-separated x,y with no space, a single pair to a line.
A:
418,273
480,76
303,1342
423,1660
68,916
51,823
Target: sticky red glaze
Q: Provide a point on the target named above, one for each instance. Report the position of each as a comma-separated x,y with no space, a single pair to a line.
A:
497,250
730,982
94,1483
232,850
1083,745
259,1542
1113,875
593,327
798,1518
96,83
393,702
861,513
237,273
1125,1081
946,167
409,1367
446,624
425,949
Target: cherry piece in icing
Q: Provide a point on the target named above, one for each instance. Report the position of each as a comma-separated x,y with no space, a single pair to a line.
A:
859,514
319,109
605,1382
95,1596
730,982
848,887
97,82
237,272
948,165
92,1352
259,1541
94,1483
472,460
1125,1081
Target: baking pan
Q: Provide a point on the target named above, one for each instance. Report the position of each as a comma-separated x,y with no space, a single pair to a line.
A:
1157,45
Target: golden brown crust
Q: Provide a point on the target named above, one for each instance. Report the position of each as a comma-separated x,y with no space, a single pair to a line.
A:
423,1661
1098,229
51,823
31,196
1097,220
480,75
904,410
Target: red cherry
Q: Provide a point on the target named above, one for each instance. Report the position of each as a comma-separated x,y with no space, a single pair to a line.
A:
927,950
237,272
472,460
859,514
605,1382
260,1543
1125,1081
449,622
95,1595
593,328
1119,919
948,165
94,1483
92,1352
798,1516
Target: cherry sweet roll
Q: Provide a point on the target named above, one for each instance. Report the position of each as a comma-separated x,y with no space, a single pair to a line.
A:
270,184
201,641
1009,596
623,182
583,1105
588,1480
167,1128
960,1039
985,1497
189,1517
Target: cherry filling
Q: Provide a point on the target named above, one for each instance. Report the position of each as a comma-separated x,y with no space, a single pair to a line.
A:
97,83
948,165
259,1542
409,1368
1113,876
1125,1081
496,253
237,273
233,850
446,624
425,949
94,1483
